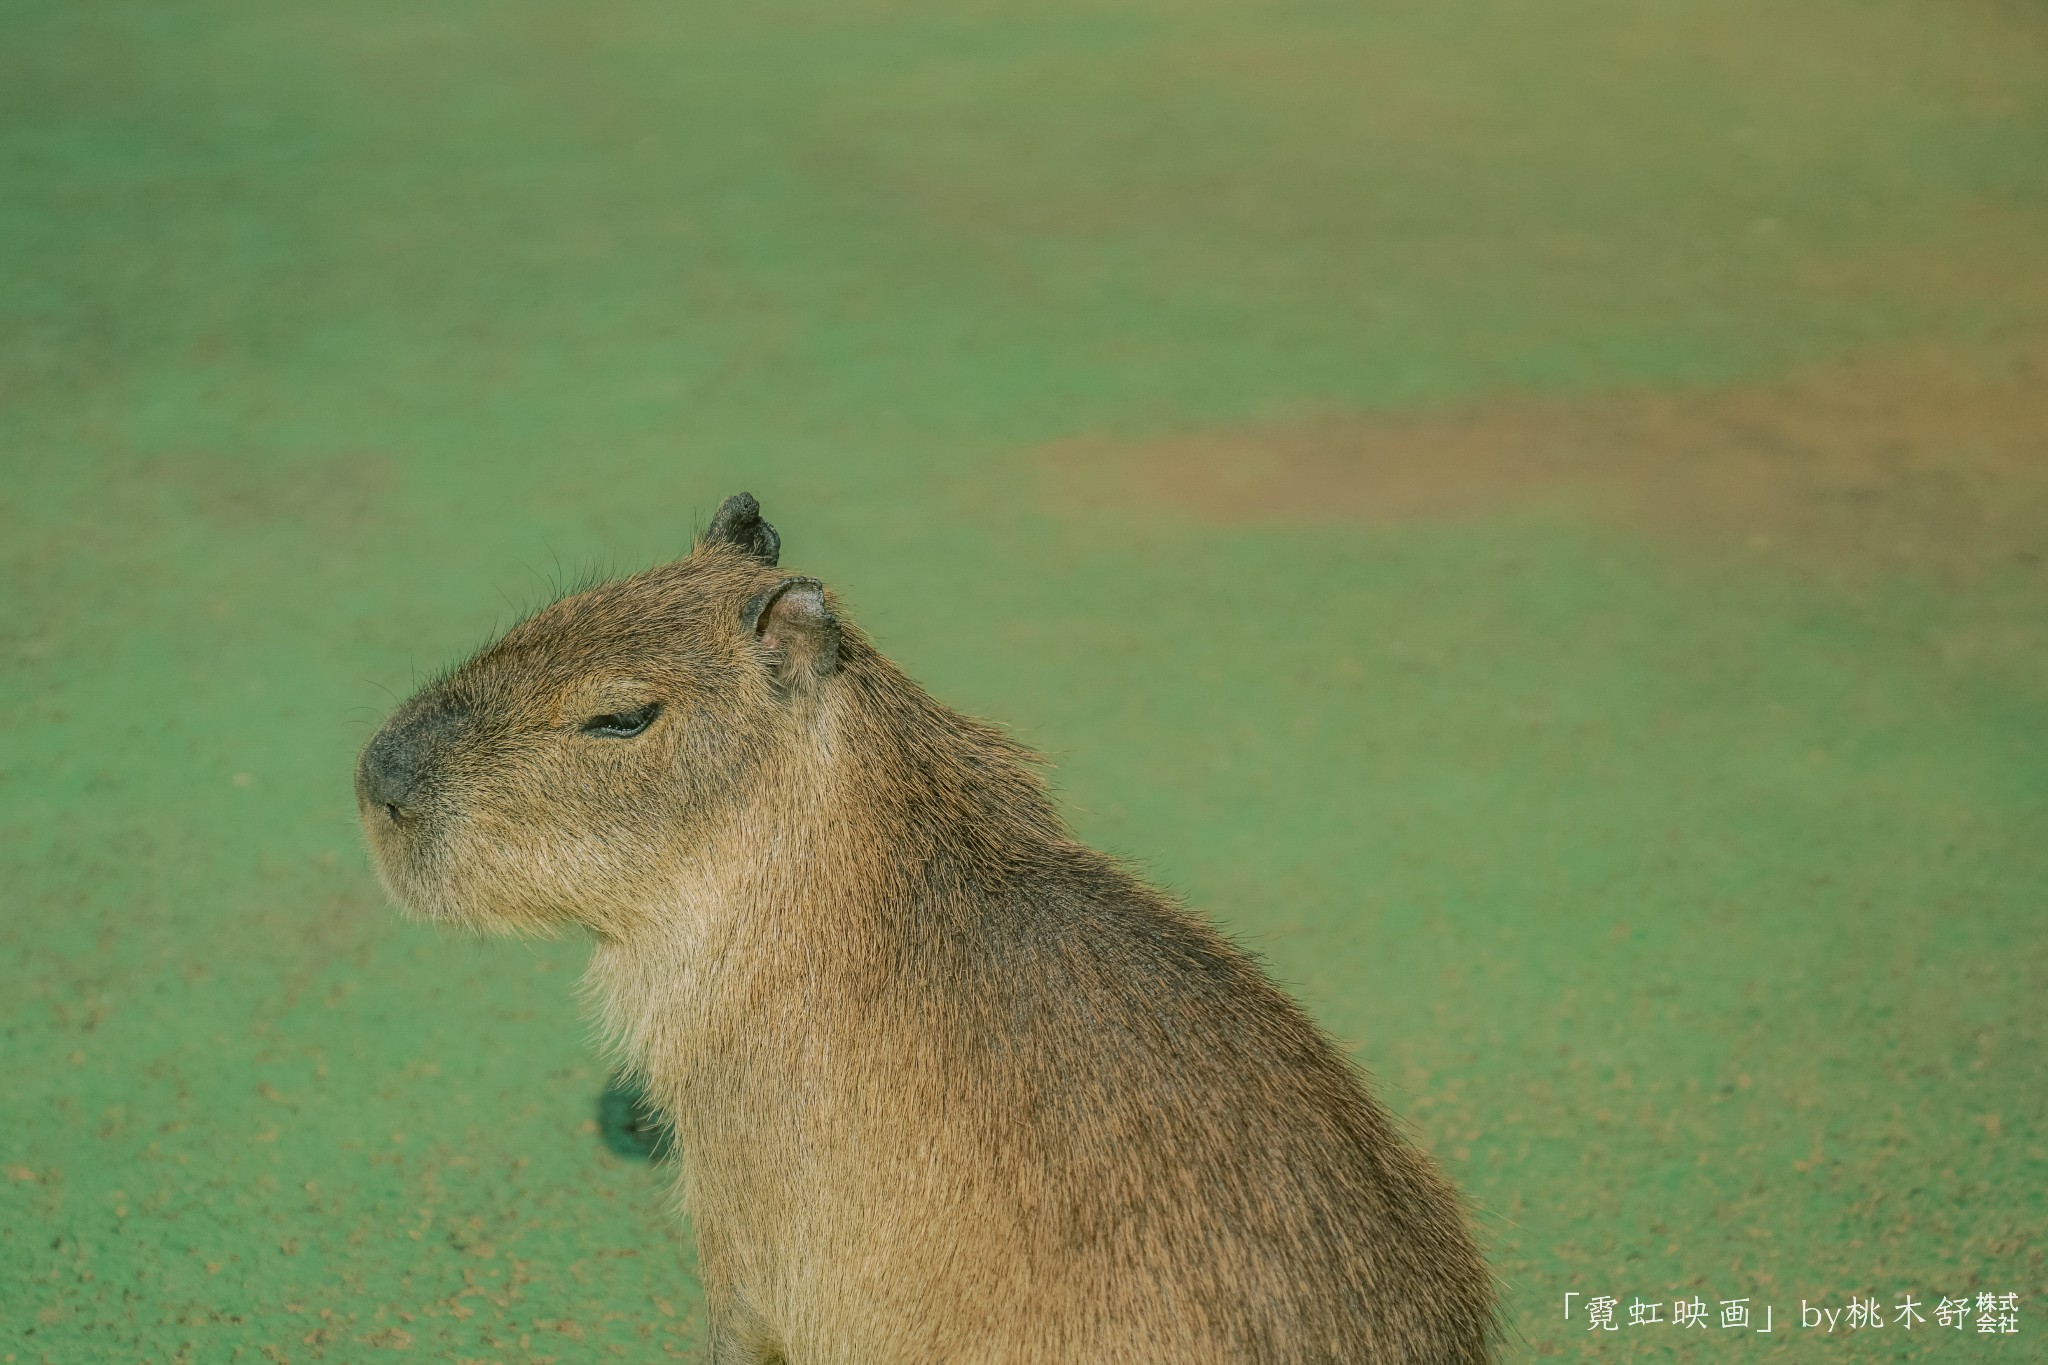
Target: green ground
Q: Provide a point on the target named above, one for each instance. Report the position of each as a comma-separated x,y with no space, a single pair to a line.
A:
1659,809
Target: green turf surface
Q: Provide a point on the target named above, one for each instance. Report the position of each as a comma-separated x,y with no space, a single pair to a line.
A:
1685,890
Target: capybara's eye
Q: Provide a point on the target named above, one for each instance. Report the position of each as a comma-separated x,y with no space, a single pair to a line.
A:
623,724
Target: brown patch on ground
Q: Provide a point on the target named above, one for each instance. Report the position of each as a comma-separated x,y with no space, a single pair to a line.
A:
1924,460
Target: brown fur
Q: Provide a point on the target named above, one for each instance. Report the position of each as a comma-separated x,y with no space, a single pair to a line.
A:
948,1086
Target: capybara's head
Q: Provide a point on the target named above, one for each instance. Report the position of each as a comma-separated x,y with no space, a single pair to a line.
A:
559,773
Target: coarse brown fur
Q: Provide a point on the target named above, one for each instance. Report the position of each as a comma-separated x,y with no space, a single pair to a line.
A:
948,1085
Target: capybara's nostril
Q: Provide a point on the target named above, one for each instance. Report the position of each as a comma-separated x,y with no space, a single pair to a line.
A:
391,811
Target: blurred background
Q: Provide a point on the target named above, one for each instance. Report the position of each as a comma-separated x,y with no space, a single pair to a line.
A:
1532,516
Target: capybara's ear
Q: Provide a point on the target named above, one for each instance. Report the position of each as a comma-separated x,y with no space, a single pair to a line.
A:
738,524
795,630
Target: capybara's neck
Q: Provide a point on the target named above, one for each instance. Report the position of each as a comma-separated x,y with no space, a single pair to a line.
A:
936,791
892,823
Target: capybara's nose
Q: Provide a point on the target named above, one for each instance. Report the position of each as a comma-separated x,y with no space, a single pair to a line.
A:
395,767
388,772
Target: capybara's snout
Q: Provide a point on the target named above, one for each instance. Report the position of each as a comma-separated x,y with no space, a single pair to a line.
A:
397,772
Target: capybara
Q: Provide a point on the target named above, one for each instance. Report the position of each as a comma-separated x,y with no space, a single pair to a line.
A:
947,1085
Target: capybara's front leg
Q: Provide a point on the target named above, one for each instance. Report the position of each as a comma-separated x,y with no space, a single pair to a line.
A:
738,1336
729,1347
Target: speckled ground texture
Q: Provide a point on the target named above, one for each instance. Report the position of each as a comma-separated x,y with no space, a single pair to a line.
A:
1533,516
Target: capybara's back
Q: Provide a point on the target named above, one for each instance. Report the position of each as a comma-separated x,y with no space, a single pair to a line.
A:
948,1085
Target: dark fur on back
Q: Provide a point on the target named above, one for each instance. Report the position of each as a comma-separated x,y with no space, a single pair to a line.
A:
948,1085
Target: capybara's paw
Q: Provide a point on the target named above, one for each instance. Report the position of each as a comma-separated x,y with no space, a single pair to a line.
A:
629,1124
